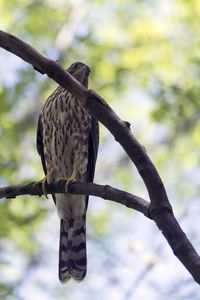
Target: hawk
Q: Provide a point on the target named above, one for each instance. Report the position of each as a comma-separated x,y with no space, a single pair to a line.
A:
67,142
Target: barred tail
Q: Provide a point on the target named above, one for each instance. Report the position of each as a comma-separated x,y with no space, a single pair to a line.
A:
72,252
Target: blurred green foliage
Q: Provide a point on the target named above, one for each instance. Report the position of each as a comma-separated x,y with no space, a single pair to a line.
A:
145,59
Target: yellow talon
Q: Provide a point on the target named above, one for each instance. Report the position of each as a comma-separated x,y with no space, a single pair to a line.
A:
46,180
69,181
44,183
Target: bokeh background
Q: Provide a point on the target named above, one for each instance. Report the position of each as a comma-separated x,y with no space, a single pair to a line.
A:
145,61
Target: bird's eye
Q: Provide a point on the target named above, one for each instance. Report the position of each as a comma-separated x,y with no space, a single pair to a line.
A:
74,66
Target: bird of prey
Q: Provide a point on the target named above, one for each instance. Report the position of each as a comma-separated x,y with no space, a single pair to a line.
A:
67,142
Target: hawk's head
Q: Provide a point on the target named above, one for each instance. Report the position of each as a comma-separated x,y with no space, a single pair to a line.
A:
80,71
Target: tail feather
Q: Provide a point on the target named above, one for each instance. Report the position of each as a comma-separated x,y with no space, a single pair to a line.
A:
72,252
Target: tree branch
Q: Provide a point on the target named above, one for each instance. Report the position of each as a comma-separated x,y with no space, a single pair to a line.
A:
160,208
83,188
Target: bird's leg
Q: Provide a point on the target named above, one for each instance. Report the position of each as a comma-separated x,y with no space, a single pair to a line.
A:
46,180
71,179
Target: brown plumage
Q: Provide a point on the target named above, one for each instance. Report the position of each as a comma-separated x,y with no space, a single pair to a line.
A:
67,141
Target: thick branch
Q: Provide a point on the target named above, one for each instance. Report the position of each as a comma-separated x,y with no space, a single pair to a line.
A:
42,64
160,207
84,188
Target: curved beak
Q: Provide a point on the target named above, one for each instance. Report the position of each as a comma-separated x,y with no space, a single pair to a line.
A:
87,70
85,76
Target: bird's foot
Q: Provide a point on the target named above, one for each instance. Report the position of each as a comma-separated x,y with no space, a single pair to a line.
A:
70,180
45,181
67,181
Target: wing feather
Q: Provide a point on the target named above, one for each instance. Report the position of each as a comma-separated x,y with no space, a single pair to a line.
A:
92,151
39,143
40,148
